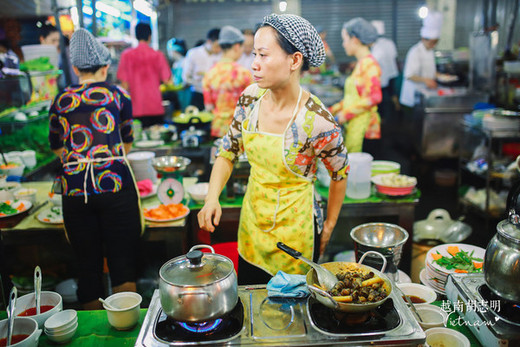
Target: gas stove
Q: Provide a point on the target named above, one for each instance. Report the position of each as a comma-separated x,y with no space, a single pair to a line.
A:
289,322
493,320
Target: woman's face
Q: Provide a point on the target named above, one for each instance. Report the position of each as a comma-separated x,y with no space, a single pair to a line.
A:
348,42
51,39
272,65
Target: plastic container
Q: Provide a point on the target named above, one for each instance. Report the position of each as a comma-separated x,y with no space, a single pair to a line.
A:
358,184
124,311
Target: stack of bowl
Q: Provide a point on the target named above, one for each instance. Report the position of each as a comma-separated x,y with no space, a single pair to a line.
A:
141,163
62,326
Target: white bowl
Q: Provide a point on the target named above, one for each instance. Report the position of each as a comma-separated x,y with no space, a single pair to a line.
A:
418,290
29,158
16,169
63,329
432,316
11,186
61,320
73,326
124,313
22,326
436,337
26,194
63,337
47,298
55,199
198,191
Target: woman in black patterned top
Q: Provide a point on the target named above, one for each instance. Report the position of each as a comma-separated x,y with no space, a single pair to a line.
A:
90,129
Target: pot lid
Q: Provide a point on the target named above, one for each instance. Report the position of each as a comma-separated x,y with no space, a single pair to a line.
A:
196,269
193,115
509,230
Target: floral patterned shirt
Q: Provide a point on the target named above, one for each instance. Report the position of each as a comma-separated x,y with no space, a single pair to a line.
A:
222,86
313,134
364,98
91,121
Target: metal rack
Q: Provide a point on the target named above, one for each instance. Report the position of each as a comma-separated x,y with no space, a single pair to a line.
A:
493,141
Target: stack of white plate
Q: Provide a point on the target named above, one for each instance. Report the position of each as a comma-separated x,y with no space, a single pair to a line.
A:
141,163
435,275
61,326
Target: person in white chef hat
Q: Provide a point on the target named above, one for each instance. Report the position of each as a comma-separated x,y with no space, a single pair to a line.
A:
419,67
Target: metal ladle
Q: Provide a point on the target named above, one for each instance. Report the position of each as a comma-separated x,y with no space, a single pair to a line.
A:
10,314
37,287
326,278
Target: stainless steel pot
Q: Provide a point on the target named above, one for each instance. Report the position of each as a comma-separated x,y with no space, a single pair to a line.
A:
502,259
198,287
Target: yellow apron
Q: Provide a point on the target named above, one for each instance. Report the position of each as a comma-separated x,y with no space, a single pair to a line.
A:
278,205
356,127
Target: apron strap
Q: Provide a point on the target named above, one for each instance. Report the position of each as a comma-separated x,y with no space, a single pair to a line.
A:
89,170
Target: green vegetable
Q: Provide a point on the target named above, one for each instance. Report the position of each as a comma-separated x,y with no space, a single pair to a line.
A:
7,209
460,261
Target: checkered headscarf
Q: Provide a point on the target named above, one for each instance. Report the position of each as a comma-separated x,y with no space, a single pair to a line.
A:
87,52
301,34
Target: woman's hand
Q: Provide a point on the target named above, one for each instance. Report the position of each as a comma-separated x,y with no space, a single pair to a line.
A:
335,108
209,216
325,236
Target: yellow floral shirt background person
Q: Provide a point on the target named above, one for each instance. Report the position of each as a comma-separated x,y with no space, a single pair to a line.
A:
358,109
222,86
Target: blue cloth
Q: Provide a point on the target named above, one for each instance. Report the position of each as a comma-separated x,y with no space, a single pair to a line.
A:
287,286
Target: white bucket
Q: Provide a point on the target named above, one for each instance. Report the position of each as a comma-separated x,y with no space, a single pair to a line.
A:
358,184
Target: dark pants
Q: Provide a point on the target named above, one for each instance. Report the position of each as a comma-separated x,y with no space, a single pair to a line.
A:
108,225
249,274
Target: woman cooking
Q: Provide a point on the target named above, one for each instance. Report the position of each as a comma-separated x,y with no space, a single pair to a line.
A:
90,129
283,130
358,109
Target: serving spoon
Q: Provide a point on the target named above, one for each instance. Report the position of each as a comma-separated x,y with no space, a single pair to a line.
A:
410,303
326,278
37,287
107,304
10,314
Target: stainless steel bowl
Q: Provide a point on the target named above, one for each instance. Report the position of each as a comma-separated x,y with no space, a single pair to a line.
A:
385,238
379,235
169,164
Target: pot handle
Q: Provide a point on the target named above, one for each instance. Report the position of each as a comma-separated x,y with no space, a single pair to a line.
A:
292,252
202,247
439,213
374,253
180,295
194,120
318,291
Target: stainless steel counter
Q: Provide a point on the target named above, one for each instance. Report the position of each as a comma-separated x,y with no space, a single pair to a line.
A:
269,323
437,120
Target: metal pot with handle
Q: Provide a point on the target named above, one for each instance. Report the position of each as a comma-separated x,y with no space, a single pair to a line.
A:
502,259
198,287
338,266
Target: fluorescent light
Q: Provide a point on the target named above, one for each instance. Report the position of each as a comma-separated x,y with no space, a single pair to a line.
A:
88,10
423,12
74,16
143,7
101,6
283,6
